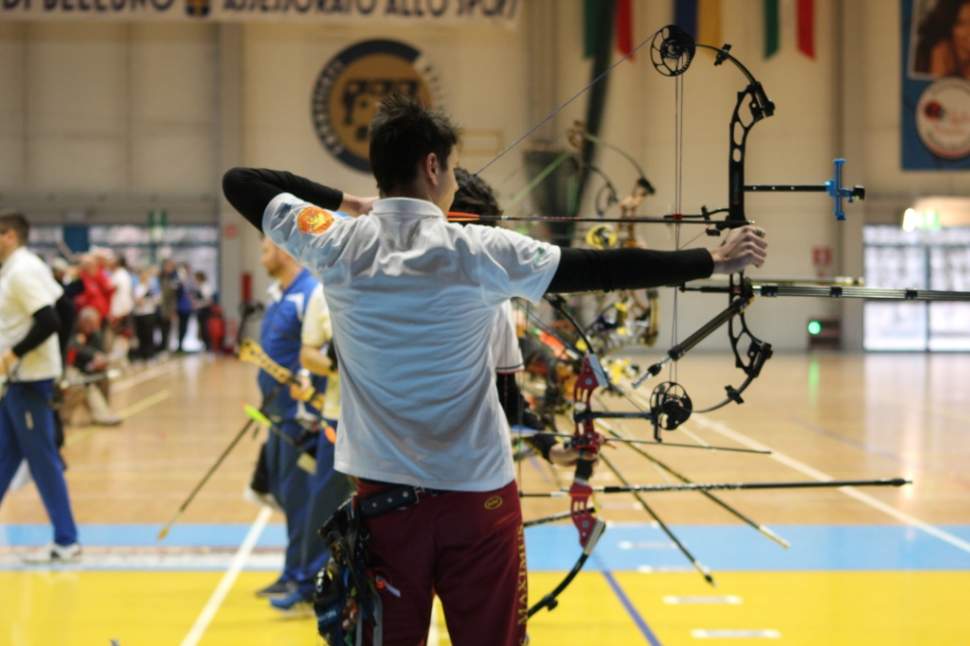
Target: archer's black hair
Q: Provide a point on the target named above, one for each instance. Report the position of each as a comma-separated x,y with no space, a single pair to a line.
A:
402,134
17,222
475,196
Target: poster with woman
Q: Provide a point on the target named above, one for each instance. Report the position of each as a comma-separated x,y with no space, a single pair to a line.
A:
936,84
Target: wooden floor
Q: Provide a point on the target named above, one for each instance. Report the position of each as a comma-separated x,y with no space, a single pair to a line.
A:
823,416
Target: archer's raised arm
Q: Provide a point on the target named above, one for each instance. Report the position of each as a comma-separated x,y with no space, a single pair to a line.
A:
250,190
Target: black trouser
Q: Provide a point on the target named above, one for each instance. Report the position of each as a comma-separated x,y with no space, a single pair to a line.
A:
165,327
183,326
202,315
145,331
260,480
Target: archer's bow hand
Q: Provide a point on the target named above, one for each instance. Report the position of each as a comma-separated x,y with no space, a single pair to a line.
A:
741,248
302,390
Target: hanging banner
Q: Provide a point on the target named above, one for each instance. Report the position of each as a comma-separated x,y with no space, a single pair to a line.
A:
398,12
936,85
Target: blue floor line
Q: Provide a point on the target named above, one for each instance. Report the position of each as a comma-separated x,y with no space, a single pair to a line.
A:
627,604
624,547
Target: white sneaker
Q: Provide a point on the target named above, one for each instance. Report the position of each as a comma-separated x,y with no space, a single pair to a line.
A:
54,554
21,478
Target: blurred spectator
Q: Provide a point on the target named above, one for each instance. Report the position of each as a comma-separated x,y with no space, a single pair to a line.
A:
183,306
97,288
168,289
88,360
73,287
122,300
202,294
146,306
67,276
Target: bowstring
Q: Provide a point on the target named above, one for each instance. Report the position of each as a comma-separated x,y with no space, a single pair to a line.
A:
678,202
562,106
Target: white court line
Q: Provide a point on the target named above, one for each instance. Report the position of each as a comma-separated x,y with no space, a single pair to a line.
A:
145,375
790,462
734,633
228,579
852,492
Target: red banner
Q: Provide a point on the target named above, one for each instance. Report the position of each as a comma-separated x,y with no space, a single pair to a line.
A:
806,27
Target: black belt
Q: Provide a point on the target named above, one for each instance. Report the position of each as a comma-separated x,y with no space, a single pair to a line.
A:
394,498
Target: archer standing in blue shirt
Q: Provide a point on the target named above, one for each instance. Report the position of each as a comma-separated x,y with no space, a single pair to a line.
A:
280,337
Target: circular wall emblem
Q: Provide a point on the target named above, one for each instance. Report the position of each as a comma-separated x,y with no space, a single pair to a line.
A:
351,85
943,118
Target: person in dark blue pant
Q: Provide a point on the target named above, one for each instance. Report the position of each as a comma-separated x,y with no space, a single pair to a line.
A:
30,361
289,482
327,488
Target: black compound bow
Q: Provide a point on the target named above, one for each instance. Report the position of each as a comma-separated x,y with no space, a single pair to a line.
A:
671,52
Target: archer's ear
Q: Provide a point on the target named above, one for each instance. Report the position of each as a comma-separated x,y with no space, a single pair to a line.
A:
431,164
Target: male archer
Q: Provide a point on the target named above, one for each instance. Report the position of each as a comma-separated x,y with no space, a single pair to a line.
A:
412,300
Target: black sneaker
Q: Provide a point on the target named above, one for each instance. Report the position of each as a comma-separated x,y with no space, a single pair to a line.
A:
277,589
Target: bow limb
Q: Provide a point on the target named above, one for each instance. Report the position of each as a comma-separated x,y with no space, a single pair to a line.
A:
550,601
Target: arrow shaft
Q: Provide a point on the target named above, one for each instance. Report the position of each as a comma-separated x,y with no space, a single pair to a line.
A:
754,486
765,531
769,290
660,523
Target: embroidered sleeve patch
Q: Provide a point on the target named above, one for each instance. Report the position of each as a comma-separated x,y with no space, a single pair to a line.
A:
313,220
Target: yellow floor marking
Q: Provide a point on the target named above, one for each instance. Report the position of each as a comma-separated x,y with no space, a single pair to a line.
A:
74,436
158,608
228,579
806,608
831,608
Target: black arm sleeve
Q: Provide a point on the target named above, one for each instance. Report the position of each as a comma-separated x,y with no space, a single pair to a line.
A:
583,270
250,190
517,411
45,324
513,403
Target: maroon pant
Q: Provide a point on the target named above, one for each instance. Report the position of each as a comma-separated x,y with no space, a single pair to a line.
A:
466,547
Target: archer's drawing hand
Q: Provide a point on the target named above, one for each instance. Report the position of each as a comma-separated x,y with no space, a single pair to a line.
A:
741,248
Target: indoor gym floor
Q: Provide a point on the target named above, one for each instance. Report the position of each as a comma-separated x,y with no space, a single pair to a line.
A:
866,566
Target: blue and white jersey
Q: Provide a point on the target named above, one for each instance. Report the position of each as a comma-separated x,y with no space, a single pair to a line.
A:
281,337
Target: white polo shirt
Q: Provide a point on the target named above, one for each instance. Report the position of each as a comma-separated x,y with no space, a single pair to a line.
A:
123,298
317,331
413,303
316,320
26,286
506,353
